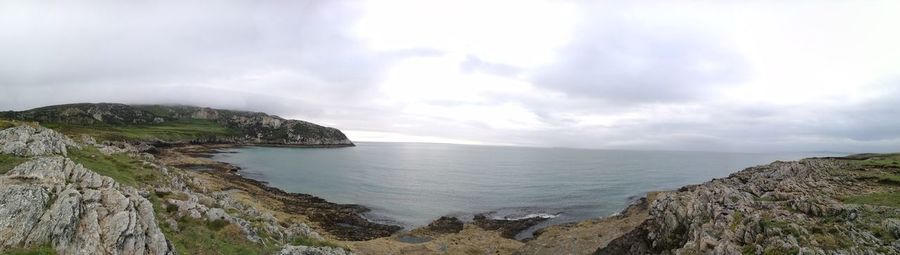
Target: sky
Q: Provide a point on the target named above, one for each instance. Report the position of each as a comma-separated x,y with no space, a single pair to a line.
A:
748,76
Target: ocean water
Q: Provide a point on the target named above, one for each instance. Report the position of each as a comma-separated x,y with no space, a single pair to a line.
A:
411,184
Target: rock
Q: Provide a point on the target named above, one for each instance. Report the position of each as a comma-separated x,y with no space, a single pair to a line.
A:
445,225
507,228
27,141
772,208
892,226
301,230
306,250
52,200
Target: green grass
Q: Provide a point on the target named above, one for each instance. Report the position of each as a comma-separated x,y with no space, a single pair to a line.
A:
890,198
748,249
4,124
121,167
315,243
877,160
9,161
178,130
198,236
883,178
737,217
781,251
42,250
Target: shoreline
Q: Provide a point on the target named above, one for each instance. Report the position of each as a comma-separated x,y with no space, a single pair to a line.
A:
344,221
510,228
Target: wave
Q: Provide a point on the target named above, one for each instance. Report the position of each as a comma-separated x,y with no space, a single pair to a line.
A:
529,216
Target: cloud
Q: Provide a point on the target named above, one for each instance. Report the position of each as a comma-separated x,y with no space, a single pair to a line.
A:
612,74
624,60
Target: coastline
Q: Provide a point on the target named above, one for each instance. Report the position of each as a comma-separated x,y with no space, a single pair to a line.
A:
201,160
344,221
827,205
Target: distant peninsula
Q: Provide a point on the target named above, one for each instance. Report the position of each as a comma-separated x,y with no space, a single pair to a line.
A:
180,124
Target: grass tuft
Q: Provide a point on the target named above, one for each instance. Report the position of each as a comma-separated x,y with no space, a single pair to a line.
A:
42,250
198,236
889,198
9,161
121,167
315,243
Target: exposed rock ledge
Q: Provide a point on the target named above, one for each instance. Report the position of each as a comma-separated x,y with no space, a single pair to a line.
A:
52,200
26,140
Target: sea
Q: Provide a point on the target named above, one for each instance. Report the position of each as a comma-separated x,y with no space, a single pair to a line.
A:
412,184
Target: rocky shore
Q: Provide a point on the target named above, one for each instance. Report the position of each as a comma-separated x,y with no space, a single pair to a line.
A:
344,221
77,194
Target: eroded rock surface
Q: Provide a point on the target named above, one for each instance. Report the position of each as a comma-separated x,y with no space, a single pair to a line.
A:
780,208
27,141
306,250
52,200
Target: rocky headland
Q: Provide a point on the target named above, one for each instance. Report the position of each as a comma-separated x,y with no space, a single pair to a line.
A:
116,180
157,123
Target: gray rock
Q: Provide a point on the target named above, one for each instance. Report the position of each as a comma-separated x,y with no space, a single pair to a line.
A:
771,207
27,141
52,200
892,226
306,250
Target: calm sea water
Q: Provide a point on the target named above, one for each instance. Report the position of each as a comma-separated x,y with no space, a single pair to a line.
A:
411,184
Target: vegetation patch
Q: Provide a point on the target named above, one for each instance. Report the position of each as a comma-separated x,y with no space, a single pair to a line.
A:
891,160
890,198
781,251
737,218
315,243
198,236
4,124
9,161
121,167
175,130
41,250
748,249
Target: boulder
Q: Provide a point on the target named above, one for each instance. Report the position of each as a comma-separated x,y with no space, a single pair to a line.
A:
27,141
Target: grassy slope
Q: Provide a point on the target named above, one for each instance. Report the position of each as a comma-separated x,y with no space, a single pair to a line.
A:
192,236
121,167
195,236
884,172
178,130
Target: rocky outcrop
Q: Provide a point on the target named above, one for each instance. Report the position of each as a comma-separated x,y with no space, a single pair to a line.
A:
306,250
781,208
51,200
508,227
27,140
243,127
445,225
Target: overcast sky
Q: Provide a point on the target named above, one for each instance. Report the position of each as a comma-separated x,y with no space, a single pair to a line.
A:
664,75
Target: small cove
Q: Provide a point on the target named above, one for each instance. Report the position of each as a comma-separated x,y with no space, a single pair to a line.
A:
411,184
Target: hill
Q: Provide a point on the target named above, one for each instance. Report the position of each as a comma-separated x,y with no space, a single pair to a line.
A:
179,124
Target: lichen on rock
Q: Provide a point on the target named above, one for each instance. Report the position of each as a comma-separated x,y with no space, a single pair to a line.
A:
27,141
52,200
